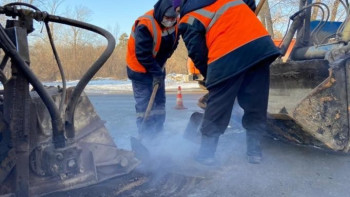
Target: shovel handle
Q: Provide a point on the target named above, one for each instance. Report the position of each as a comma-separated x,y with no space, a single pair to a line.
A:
260,5
150,103
136,143
149,108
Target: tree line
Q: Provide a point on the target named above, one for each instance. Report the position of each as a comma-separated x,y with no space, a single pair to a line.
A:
78,49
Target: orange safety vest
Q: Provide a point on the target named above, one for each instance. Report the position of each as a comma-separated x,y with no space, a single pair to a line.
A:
152,25
229,25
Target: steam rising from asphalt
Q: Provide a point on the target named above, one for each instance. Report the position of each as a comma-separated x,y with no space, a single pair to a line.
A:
286,170
171,152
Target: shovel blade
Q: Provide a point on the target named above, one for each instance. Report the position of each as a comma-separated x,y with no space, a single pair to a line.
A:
140,150
192,130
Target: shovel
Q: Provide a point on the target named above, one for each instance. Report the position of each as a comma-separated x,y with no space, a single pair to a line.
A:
191,132
141,152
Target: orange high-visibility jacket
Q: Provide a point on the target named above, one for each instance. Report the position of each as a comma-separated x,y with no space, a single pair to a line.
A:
150,22
154,28
230,26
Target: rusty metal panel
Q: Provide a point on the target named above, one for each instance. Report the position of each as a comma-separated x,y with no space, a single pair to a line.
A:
309,103
347,69
92,139
323,113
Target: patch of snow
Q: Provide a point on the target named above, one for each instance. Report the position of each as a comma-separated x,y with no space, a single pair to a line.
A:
108,86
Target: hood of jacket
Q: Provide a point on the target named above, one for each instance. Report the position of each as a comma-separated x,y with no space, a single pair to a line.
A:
191,5
160,8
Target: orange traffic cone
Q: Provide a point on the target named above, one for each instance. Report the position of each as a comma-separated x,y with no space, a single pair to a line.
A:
179,103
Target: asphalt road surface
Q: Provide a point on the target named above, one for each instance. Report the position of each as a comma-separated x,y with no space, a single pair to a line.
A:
286,170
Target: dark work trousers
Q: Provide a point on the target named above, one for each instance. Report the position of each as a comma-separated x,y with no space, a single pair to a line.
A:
251,89
142,95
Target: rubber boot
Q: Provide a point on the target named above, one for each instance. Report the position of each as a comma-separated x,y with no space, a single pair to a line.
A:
254,154
206,153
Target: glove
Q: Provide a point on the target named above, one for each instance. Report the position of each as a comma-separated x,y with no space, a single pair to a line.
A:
157,80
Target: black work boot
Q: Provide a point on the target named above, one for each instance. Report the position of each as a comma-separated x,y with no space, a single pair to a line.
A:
206,153
254,154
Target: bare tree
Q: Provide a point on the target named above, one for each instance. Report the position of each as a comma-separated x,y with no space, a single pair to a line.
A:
266,18
115,30
77,39
279,12
79,49
315,11
334,10
337,12
79,13
52,7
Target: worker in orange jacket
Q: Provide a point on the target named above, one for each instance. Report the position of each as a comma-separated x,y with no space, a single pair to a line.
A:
233,51
153,39
202,102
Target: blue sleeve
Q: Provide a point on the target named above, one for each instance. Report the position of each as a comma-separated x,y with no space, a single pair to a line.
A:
175,45
144,50
194,38
251,4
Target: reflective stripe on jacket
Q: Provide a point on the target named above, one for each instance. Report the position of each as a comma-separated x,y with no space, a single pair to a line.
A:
154,28
224,38
230,24
157,33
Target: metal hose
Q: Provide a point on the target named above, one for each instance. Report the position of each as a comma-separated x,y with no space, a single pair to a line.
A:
91,71
57,123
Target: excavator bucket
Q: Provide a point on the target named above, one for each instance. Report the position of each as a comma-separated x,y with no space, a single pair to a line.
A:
309,103
309,93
